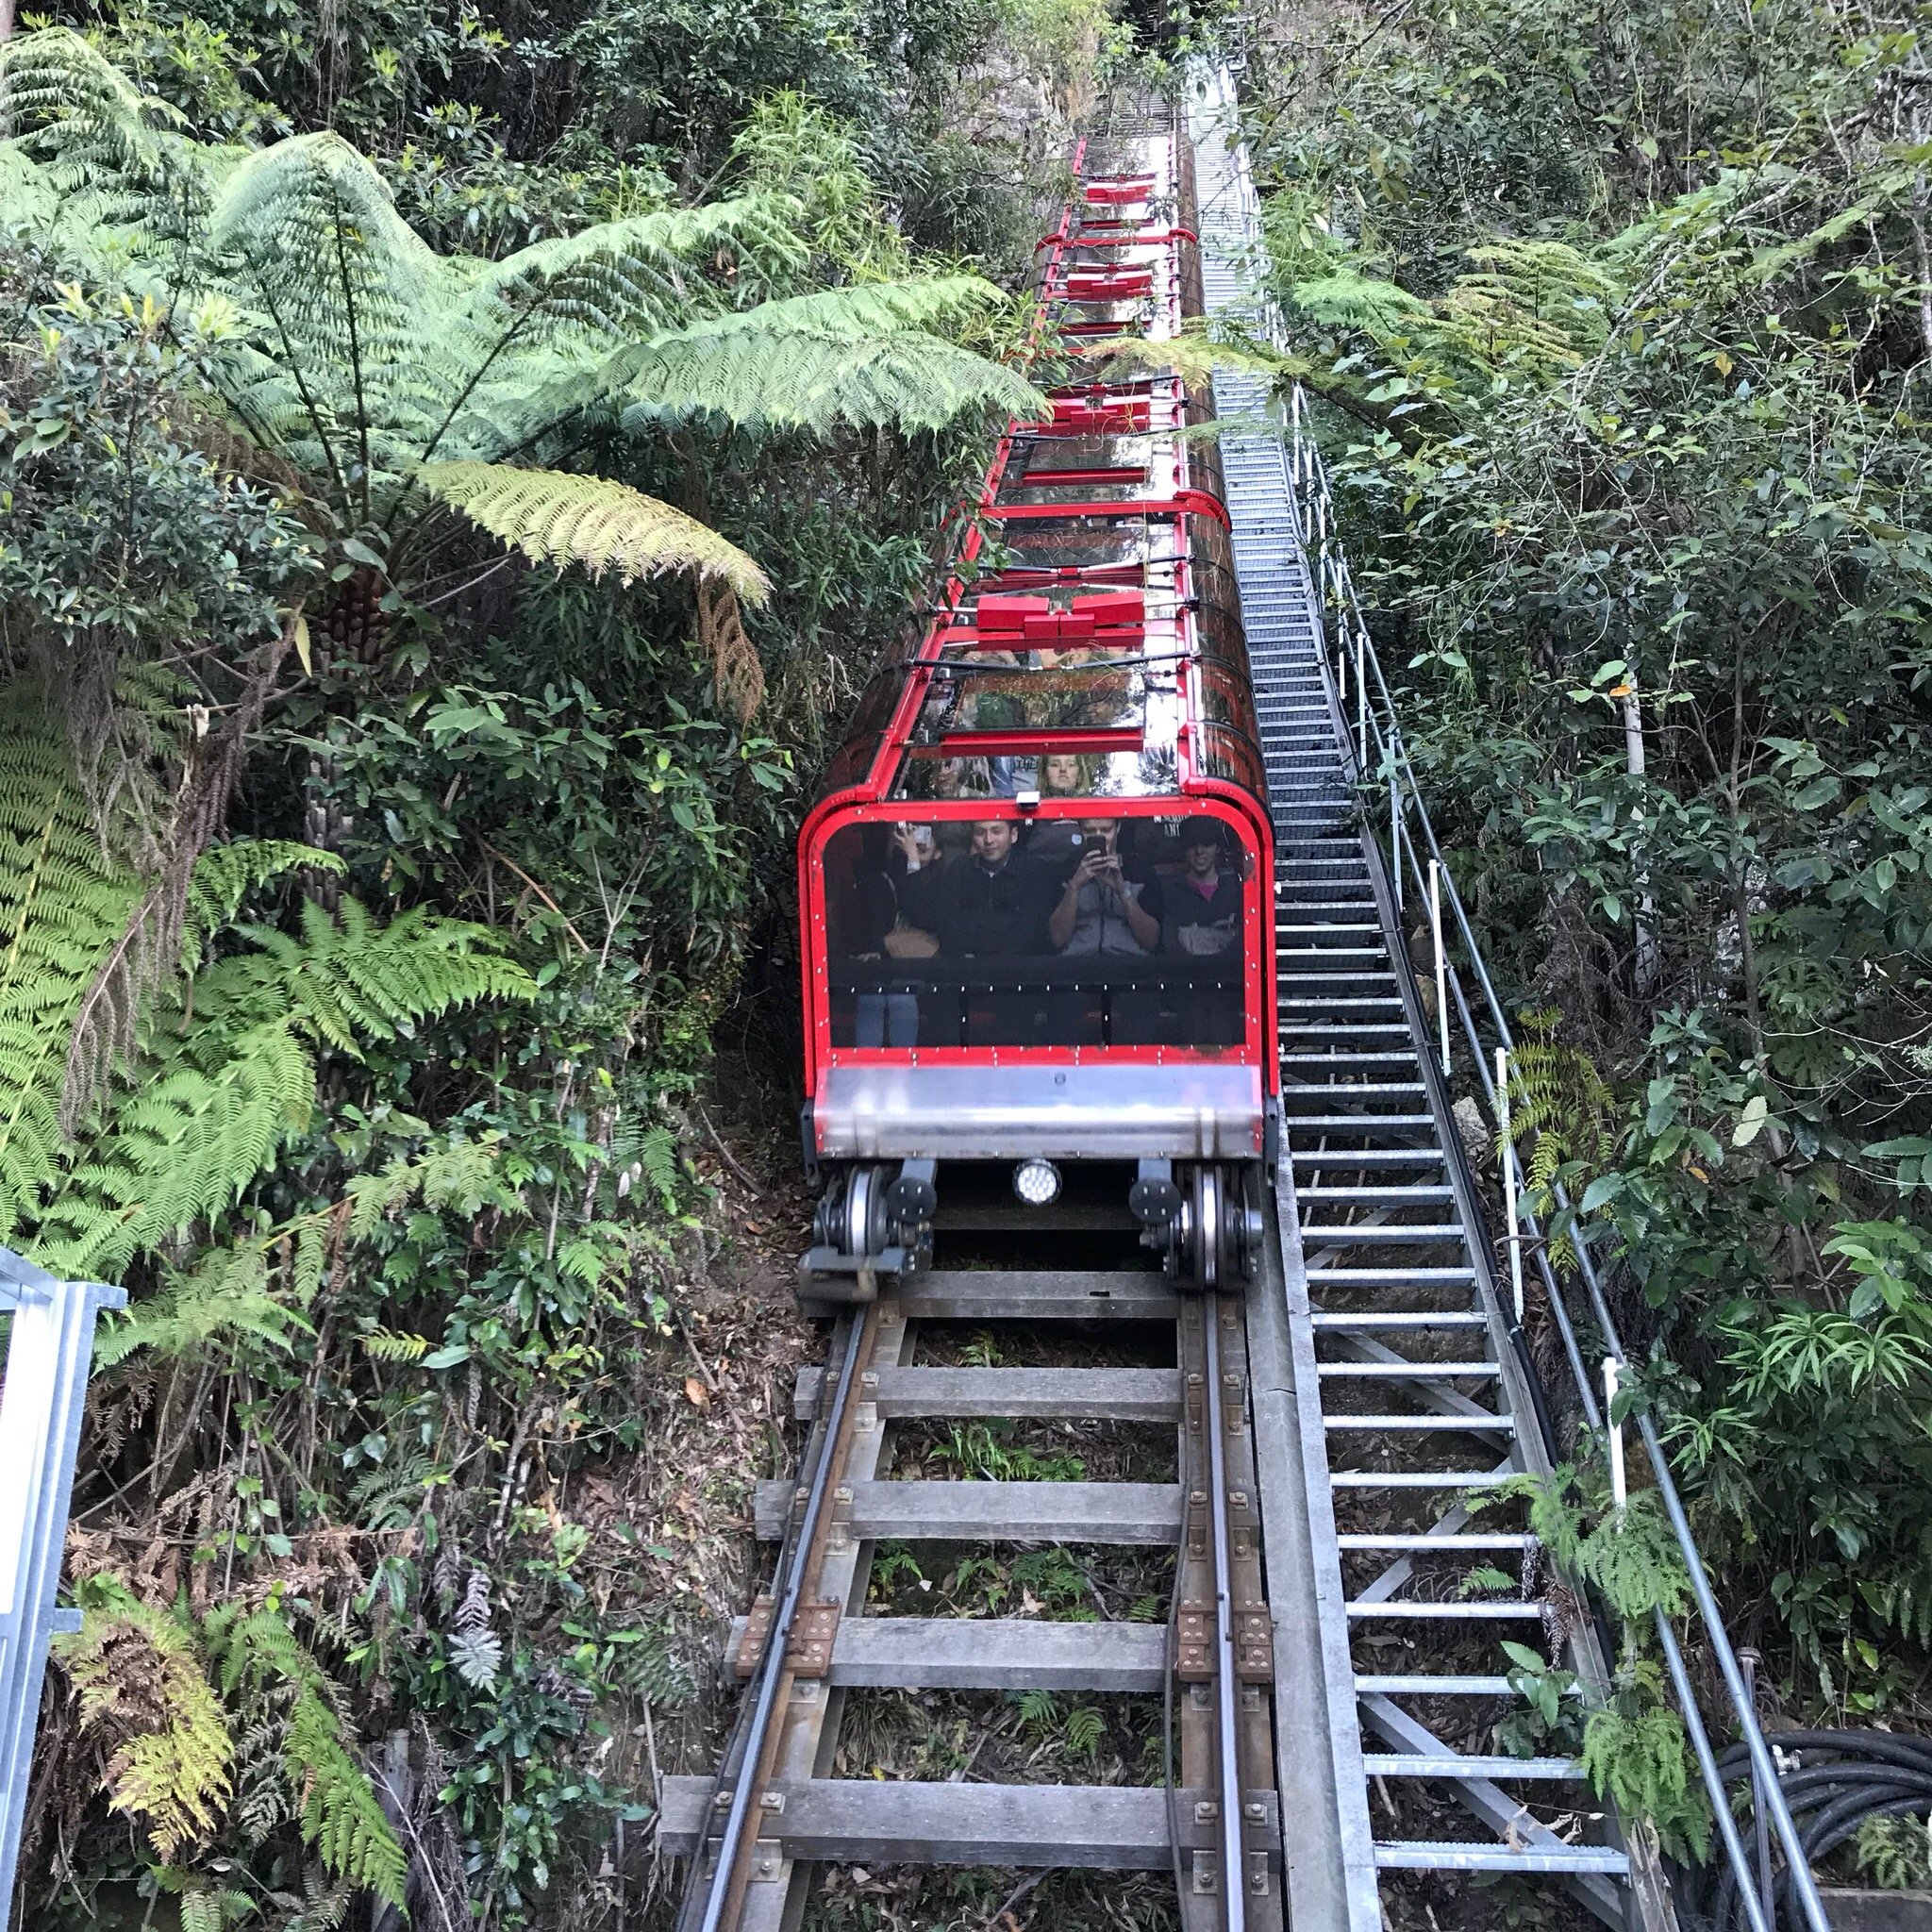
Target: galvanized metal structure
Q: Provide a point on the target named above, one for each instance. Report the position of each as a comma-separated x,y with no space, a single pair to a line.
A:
49,1347
1393,1275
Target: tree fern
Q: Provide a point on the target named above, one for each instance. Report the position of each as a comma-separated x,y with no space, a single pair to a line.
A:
387,374
852,356
142,1690
556,518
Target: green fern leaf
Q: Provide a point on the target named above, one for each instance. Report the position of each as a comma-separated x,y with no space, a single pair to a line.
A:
558,518
816,360
226,1299
340,1818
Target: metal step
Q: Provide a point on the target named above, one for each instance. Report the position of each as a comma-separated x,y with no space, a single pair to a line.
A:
1430,1854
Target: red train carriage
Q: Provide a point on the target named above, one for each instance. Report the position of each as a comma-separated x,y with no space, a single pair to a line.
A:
1035,889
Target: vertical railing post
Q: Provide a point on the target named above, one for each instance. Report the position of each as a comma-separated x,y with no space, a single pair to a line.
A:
1619,1488
1395,815
49,1350
1506,1133
1748,1661
1361,698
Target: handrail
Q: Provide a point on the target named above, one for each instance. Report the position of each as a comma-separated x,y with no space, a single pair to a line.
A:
1379,759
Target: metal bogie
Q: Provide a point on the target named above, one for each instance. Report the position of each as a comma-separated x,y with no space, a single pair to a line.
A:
1203,1219
875,1219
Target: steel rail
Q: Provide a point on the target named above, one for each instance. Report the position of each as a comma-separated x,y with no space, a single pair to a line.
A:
1314,512
723,1886
1234,1898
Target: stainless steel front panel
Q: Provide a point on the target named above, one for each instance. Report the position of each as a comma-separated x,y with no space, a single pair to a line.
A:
1097,1112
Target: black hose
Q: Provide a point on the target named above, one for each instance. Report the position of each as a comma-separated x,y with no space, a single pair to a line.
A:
1841,1777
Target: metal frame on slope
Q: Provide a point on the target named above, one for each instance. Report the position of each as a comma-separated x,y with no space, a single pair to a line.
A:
48,1351
1381,762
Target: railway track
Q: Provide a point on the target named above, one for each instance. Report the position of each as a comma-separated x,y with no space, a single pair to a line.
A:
813,1642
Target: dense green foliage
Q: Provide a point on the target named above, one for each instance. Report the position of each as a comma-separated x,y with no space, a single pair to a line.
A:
454,468
1619,321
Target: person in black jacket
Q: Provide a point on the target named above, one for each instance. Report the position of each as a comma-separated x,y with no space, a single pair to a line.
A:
994,901
994,904
1201,911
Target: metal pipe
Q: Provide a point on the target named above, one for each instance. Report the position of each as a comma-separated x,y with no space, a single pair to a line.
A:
1620,1488
1804,1885
1396,833
1760,1825
1707,1769
1441,961
1507,1137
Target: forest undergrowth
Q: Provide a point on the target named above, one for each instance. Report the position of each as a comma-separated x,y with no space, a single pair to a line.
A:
457,466
1616,324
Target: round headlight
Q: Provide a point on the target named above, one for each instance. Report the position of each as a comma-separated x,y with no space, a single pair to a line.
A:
1037,1182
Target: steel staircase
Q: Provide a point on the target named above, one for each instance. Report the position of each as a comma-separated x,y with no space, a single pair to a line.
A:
1417,1395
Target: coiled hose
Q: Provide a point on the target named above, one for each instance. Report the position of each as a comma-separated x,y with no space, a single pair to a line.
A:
1838,1780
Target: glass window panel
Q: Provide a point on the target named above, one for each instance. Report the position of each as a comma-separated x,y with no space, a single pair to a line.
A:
1092,932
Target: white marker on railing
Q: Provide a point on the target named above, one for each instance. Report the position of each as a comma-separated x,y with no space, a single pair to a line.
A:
1619,1493
1441,959
1508,1139
1395,813
1361,698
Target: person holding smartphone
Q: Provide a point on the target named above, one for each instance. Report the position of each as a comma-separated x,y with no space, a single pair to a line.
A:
1099,911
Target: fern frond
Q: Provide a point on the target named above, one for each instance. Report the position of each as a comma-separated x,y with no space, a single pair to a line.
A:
811,362
559,518
94,127
388,1345
226,1298
142,1689
225,875
321,245
179,1148
626,278
1634,1558
461,1175
1640,1763
62,903
1349,299
341,1820
337,1807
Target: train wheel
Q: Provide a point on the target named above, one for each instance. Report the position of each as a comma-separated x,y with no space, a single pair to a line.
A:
852,1216
1215,1242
